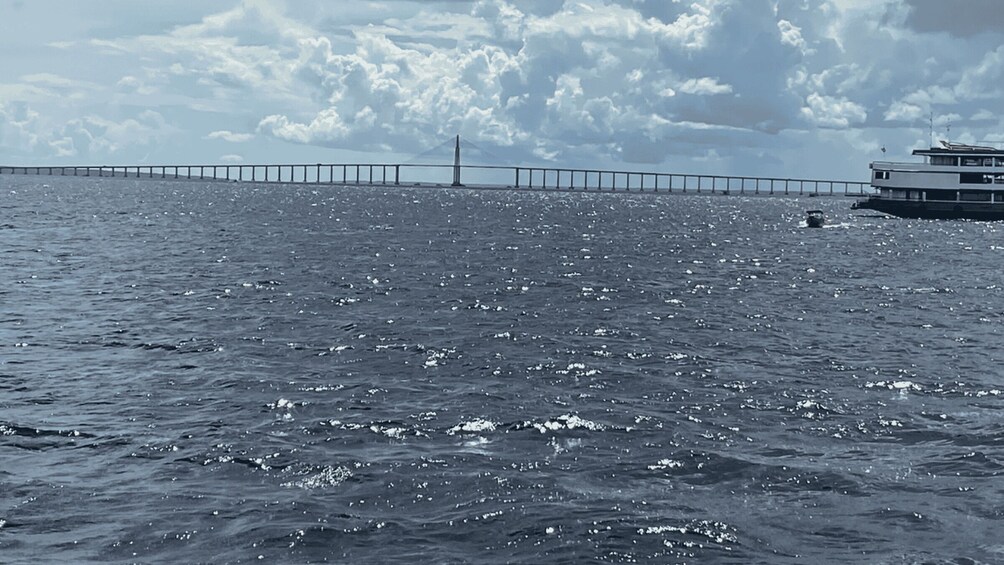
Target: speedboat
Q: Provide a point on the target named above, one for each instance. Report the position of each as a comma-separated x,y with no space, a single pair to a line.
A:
814,218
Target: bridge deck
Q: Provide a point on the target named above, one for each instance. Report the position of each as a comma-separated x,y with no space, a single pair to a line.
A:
474,176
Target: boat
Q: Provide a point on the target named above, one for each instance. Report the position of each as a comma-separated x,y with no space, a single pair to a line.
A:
814,218
955,181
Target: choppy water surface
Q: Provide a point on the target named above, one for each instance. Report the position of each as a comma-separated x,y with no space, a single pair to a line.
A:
193,372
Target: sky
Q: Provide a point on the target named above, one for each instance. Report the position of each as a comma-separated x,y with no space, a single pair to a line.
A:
784,88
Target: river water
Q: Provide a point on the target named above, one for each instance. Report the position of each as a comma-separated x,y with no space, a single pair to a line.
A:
196,372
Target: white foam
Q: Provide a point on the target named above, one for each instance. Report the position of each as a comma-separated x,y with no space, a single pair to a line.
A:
283,404
664,464
391,432
474,426
477,441
323,388
715,531
327,477
566,422
661,530
901,386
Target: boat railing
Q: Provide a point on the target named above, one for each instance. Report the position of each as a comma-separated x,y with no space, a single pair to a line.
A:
903,198
922,167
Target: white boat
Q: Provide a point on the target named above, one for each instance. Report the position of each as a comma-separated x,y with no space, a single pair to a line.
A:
955,181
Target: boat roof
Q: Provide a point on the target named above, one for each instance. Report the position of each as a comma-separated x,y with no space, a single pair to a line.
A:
948,148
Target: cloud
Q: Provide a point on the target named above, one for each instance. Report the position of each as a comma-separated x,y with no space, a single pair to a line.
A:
557,80
19,127
831,112
230,136
94,136
704,86
51,80
960,19
23,133
326,126
586,75
249,49
984,115
791,34
904,112
134,84
983,80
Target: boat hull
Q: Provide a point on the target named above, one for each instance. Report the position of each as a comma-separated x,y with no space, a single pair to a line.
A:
934,210
815,219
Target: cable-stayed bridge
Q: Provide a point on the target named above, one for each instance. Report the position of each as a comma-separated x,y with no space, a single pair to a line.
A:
459,175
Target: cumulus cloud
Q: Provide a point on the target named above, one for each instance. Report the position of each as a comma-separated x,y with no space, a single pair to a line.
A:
832,112
791,34
19,127
586,75
23,133
94,135
624,79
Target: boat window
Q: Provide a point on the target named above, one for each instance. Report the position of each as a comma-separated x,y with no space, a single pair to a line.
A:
972,161
981,196
946,160
940,194
975,178
881,175
999,161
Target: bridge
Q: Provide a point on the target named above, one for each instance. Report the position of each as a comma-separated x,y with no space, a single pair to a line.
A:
459,175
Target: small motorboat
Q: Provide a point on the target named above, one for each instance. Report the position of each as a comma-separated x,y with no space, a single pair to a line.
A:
814,218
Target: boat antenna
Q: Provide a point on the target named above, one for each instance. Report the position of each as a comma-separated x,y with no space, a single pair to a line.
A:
930,127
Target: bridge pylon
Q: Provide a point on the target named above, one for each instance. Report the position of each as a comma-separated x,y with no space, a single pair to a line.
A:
456,164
